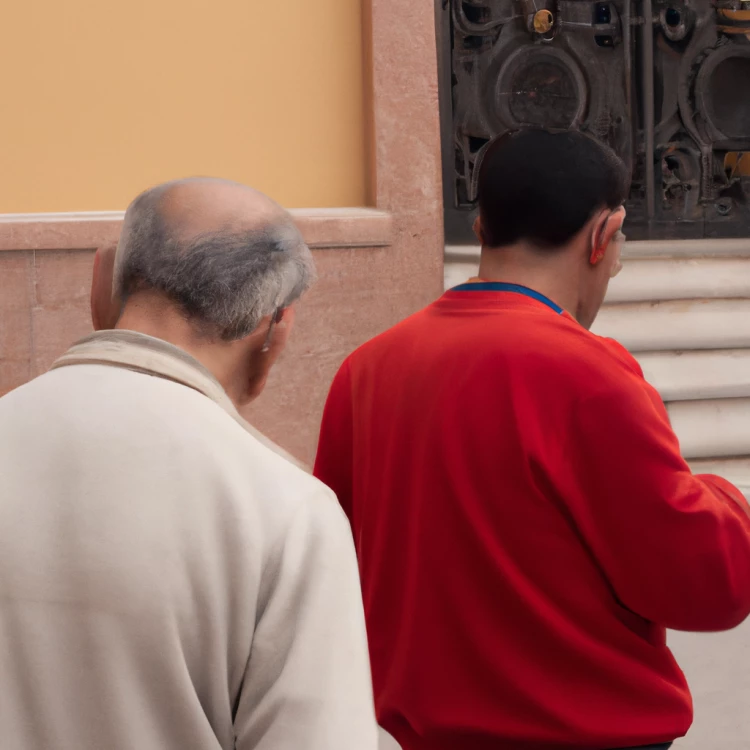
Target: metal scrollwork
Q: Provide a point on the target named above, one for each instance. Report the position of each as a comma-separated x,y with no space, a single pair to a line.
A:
666,83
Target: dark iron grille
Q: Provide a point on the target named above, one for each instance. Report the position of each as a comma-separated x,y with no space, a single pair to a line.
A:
670,94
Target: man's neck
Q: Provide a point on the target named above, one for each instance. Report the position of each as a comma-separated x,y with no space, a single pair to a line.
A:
545,277
147,313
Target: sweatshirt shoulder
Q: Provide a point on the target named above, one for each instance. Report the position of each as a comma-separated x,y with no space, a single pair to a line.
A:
389,340
620,354
591,359
284,494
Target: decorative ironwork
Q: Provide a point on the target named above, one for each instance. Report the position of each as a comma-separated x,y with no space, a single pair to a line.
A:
666,83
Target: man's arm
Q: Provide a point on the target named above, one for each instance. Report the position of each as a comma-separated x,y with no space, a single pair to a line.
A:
308,681
334,461
674,546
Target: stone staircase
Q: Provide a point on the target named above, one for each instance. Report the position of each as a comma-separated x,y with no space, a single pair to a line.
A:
683,309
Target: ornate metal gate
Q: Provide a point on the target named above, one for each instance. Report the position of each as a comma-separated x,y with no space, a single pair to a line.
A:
666,83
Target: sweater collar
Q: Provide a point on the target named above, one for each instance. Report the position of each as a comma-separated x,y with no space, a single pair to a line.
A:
138,352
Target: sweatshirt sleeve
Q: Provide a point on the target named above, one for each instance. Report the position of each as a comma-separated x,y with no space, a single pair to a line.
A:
333,463
674,546
308,681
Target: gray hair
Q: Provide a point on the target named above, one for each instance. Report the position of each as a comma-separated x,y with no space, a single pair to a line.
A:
226,281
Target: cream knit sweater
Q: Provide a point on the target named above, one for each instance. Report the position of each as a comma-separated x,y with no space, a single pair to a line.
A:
168,581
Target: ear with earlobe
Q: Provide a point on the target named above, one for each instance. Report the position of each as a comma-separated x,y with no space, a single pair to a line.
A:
605,226
597,254
105,311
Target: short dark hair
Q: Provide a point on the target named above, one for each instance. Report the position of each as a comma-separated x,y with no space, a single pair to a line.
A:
543,187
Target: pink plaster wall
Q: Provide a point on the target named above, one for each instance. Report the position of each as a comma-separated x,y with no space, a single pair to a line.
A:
374,269
44,307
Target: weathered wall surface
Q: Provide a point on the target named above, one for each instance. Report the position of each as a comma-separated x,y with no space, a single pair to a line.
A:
44,306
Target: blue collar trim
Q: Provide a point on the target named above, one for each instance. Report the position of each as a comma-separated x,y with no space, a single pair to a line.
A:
501,286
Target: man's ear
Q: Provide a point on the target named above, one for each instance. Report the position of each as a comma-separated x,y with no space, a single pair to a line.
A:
281,331
275,333
604,228
105,311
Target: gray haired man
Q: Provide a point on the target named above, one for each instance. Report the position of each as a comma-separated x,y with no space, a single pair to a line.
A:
167,579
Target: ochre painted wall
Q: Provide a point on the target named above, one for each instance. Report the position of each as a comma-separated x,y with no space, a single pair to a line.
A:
102,99
731,163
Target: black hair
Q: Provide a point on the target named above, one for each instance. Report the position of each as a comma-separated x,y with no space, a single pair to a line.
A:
543,187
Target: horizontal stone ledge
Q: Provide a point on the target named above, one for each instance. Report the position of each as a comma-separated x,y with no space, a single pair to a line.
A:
690,376
456,273
701,248
344,227
645,280
712,428
681,278
322,228
655,249
677,325
462,253
735,470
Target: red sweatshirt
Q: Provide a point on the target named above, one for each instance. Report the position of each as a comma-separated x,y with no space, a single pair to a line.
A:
526,530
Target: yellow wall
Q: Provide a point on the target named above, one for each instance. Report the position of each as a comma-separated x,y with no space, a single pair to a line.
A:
102,98
731,163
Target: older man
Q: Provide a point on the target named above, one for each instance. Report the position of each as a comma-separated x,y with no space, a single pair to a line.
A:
167,580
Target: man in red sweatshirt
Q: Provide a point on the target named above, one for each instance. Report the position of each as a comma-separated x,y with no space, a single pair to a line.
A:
525,525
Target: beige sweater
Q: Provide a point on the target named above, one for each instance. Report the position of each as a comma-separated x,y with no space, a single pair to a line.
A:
168,581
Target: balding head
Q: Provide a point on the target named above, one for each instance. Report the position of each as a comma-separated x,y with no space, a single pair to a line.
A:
199,205
225,253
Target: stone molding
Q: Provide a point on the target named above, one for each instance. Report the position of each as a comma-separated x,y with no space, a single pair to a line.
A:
321,227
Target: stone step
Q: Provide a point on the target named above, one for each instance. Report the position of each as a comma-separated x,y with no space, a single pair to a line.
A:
703,248
681,278
736,470
677,324
653,270
714,429
690,376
